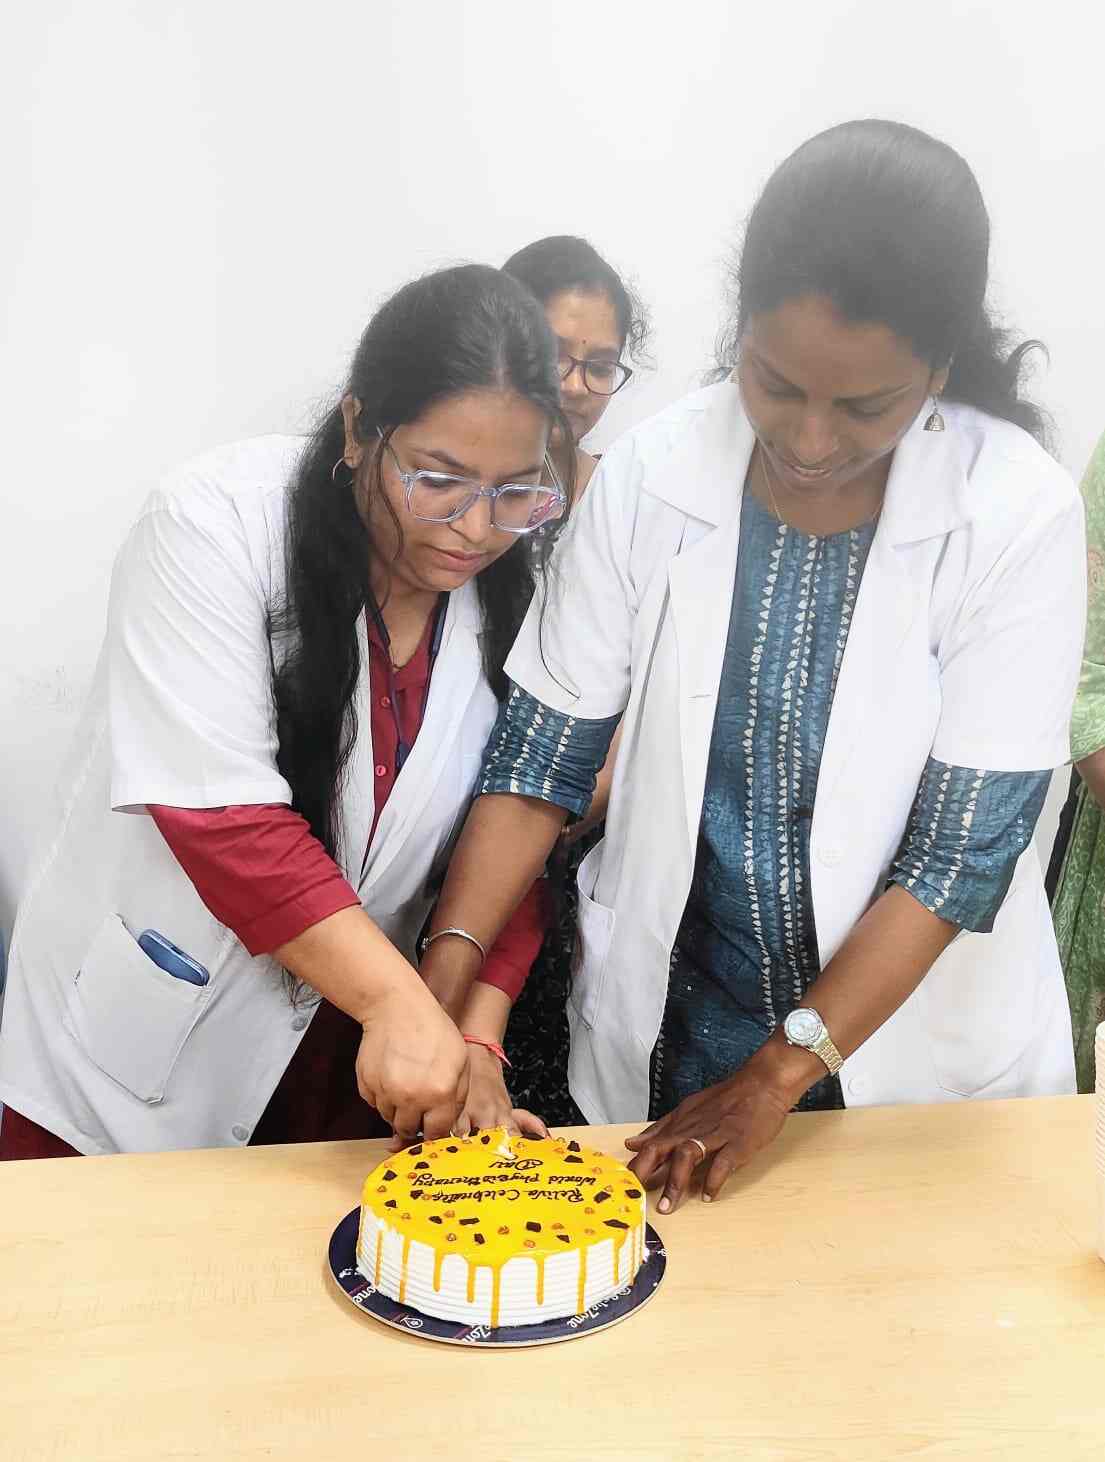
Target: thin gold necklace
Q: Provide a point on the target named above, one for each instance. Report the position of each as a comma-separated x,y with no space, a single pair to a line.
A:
765,474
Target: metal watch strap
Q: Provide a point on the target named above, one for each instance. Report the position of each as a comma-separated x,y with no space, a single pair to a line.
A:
828,1053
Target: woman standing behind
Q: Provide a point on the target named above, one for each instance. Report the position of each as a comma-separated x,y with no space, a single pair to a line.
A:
1079,906
598,321
839,620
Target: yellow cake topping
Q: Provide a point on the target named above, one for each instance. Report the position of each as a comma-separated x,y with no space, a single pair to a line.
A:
493,1198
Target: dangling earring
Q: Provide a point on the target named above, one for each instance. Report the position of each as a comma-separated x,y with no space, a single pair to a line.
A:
341,462
935,421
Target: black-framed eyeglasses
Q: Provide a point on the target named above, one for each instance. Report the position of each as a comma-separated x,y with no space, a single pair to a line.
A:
601,377
516,507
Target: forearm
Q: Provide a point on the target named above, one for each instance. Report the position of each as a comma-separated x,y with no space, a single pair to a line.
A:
486,1012
501,853
1092,771
876,969
348,960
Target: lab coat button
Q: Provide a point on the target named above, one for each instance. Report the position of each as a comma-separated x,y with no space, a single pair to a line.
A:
240,1133
859,1086
300,1023
830,856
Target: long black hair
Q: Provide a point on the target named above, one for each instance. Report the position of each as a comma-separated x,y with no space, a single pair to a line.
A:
889,224
456,330
561,262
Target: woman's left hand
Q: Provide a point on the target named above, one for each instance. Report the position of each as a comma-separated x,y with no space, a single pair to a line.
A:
488,1103
732,1120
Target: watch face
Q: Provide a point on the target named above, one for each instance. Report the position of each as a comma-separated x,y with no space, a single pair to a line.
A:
803,1027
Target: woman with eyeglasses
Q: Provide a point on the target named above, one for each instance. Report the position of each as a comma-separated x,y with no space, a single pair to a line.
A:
836,602
598,321
303,661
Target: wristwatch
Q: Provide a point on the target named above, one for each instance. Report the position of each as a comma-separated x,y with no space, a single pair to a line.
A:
805,1028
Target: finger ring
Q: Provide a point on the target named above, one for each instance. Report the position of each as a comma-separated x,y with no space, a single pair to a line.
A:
698,1142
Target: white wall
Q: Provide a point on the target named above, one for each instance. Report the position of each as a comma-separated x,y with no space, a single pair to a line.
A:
204,201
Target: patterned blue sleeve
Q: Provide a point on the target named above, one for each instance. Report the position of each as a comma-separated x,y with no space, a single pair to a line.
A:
964,836
538,752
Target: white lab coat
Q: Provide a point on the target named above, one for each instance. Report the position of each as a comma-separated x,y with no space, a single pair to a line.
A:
127,1058
965,645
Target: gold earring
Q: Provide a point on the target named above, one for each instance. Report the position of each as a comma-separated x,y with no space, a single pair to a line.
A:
935,421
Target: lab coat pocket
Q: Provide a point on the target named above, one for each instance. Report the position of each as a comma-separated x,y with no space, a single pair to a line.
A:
594,932
129,1016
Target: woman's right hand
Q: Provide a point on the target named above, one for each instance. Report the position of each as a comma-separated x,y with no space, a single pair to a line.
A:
412,1065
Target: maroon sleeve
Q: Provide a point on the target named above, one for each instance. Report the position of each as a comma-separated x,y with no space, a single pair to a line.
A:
509,959
259,870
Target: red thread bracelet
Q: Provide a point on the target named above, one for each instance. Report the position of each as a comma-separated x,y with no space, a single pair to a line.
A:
492,1046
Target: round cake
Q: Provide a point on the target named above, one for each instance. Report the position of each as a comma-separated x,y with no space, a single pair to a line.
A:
501,1230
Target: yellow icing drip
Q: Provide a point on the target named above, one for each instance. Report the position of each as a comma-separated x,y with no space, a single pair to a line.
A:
496,1287
494,1198
379,1256
403,1270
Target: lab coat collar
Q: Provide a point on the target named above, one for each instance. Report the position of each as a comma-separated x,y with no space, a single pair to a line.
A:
926,492
705,473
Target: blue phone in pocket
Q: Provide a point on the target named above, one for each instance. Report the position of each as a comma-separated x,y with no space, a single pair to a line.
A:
172,960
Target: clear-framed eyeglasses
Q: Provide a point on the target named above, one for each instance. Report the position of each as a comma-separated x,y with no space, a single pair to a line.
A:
601,377
516,507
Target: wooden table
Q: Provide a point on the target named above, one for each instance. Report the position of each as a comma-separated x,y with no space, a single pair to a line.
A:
898,1282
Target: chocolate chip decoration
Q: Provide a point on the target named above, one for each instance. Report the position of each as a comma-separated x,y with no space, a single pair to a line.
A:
615,1223
389,1176
534,1228
467,1222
